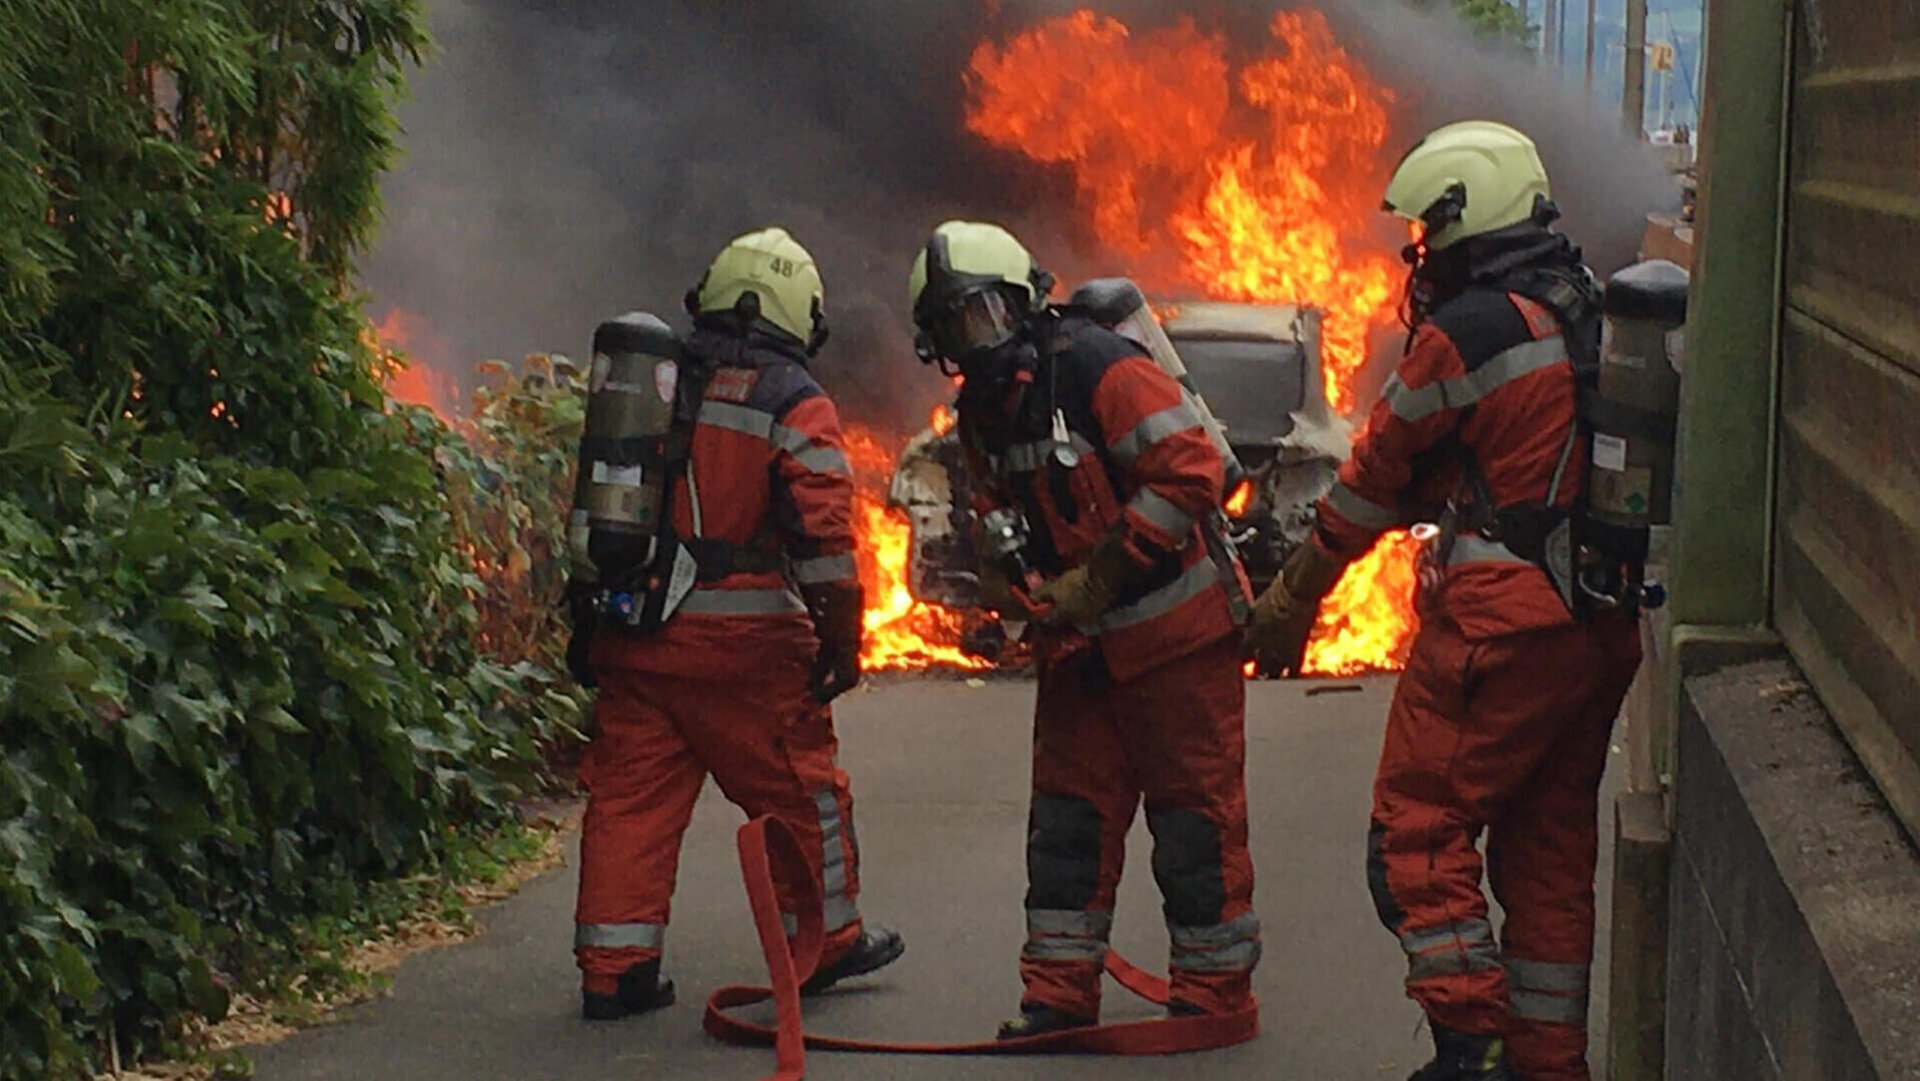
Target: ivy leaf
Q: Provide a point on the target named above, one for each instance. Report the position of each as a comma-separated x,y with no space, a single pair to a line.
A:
72,974
280,720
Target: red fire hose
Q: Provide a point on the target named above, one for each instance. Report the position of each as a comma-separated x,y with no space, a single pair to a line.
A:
764,841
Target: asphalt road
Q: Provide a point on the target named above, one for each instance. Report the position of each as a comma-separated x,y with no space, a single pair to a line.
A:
940,774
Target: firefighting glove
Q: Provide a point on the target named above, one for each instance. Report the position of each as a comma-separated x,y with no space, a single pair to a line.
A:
1084,593
996,592
582,614
1283,617
835,608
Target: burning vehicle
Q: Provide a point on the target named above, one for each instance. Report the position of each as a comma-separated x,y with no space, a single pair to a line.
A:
1257,366
1259,193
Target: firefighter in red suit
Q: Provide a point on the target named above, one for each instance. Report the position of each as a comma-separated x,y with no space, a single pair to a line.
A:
1500,723
737,682
1075,432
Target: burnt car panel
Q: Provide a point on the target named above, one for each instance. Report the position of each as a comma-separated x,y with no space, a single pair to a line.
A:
1253,387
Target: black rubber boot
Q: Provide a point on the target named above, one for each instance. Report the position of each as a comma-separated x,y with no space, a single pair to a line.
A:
642,988
876,948
1038,1020
1463,1056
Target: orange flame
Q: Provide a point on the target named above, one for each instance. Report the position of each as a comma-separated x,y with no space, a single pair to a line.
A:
1262,182
1366,624
902,633
1241,178
406,342
943,419
1240,498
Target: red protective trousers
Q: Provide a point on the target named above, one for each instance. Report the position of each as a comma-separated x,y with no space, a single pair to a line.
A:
1508,735
1176,736
772,751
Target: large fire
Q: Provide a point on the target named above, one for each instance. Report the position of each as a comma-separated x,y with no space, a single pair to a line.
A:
1242,172
901,632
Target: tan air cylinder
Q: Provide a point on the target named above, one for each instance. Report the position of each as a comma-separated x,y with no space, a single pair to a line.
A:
620,493
1630,476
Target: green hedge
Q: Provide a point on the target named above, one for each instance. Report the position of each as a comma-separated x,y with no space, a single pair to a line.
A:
241,672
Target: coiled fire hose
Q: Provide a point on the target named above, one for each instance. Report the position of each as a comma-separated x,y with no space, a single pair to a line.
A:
764,842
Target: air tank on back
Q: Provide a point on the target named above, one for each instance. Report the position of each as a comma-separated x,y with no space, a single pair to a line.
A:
1120,306
1630,476
621,488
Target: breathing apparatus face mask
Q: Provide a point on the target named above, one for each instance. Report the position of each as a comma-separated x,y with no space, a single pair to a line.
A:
1432,277
1437,276
975,323
978,336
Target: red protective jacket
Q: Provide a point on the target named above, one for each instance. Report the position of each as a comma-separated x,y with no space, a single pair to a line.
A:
1143,463
1488,380
769,477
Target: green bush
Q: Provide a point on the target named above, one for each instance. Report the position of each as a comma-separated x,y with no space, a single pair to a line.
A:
515,473
241,669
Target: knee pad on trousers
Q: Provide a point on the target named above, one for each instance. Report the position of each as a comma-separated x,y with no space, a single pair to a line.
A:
1384,903
1186,863
1063,853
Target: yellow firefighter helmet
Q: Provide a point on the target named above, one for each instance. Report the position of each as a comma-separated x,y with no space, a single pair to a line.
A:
970,287
779,276
1468,179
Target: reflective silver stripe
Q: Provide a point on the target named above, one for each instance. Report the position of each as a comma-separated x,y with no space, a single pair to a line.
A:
1055,921
619,936
1360,510
1467,933
835,914
838,909
742,602
1192,582
1160,512
1450,949
739,418
1157,426
1452,961
791,440
1093,950
1233,946
833,853
839,913
1551,976
1067,935
1238,929
1238,957
816,458
824,569
736,418
1474,548
1031,457
1553,1009
1504,367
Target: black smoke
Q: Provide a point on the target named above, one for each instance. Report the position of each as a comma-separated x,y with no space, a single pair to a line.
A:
567,160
